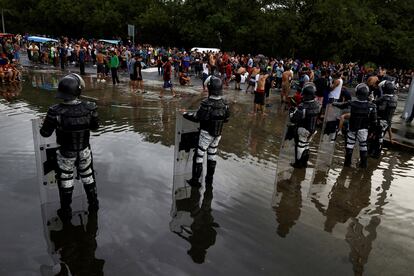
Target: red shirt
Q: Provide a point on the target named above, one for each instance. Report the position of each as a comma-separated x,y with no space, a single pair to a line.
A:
228,70
167,71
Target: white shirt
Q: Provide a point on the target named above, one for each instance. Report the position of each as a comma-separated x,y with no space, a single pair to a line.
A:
250,62
336,93
205,68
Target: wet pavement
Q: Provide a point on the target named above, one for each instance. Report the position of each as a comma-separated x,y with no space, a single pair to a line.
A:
342,222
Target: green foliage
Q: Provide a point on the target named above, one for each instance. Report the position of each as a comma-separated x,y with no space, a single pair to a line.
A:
354,30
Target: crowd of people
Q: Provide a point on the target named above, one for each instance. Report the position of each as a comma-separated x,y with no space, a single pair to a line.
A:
9,59
189,63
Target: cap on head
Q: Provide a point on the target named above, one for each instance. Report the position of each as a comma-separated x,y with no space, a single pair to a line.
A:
70,87
215,86
362,92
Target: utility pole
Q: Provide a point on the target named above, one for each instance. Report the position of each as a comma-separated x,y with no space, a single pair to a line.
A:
2,21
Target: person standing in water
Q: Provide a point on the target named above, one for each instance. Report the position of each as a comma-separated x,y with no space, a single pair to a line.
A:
212,114
72,120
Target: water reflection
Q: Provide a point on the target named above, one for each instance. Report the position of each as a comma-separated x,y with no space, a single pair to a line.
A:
73,245
46,81
289,201
250,146
359,243
349,196
195,223
11,91
350,200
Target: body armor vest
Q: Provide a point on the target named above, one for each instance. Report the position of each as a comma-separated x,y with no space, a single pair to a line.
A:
73,123
361,112
310,109
386,106
213,114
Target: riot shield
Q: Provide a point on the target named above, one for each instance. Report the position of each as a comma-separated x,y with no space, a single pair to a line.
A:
45,153
408,109
286,156
328,138
186,142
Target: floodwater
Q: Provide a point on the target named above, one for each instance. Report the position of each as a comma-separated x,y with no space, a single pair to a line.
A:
339,222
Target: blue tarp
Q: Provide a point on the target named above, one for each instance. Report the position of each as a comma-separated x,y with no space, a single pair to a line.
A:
41,39
109,41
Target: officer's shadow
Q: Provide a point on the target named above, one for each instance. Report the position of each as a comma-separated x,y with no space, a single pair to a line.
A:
73,246
197,225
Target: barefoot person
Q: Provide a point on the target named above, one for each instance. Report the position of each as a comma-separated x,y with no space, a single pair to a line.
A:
259,94
286,80
138,69
167,78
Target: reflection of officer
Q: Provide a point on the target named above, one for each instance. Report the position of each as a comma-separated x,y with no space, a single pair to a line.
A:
360,244
386,105
347,202
72,120
77,246
288,208
202,233
212,114
304,117
363,117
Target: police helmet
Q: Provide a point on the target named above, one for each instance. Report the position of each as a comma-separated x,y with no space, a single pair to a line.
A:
308,91
70,87
388,87
362,92
215,86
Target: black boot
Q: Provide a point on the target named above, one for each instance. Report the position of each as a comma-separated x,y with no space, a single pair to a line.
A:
195,179
211,168
363,163
304,159
91,194
348,157
65,211
298,162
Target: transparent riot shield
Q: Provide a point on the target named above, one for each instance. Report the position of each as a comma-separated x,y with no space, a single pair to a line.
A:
408,109
45,153
328,137
284,169
186,142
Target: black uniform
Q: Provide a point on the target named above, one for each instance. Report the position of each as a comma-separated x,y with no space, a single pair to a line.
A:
386,106
212,114
363,118
304,117
72,120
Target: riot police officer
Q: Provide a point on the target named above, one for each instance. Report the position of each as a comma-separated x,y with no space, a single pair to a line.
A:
212,114
72,119
386,105
304,116
363,117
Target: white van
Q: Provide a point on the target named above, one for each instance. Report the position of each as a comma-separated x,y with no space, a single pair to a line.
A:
201,49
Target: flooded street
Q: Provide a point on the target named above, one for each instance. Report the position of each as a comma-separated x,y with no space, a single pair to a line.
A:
339,222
